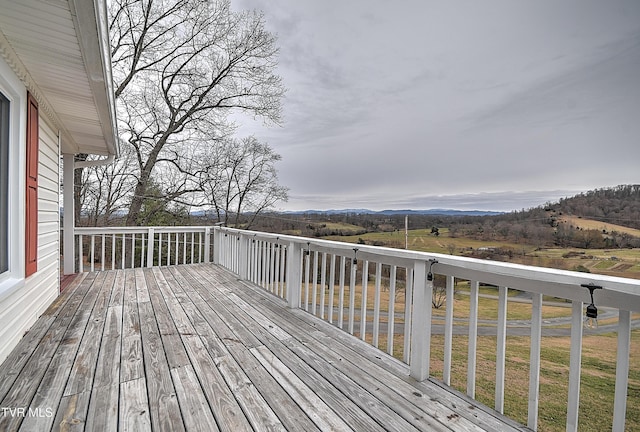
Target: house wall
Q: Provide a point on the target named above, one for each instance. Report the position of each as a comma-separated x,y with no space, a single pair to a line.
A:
20,309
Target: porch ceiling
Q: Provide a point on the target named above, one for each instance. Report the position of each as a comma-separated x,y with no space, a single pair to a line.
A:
59,48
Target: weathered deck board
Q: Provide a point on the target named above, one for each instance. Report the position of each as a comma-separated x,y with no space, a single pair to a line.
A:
131,361
445,405
95,305
29,343
192,348
367,382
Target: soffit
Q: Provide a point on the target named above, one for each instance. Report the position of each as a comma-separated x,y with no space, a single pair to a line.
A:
59,48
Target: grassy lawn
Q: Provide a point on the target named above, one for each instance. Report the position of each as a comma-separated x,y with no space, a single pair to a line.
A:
625,264
597,382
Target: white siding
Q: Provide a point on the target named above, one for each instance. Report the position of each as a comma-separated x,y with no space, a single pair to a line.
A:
20,310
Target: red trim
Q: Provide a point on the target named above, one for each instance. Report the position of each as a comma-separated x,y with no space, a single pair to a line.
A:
31,205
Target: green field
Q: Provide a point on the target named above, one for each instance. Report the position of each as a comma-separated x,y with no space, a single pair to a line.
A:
614,262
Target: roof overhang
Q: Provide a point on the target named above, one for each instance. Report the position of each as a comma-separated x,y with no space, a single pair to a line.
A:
60,50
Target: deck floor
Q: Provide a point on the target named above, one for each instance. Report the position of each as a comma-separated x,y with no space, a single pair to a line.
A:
192,348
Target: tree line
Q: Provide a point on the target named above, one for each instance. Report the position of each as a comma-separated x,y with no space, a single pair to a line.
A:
542,226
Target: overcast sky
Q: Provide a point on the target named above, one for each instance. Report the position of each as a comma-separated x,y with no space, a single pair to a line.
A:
494,105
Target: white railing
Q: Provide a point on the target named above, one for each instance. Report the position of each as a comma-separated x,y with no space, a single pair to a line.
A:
108,248
396,295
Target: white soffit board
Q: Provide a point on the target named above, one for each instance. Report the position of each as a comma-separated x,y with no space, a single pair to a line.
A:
60,49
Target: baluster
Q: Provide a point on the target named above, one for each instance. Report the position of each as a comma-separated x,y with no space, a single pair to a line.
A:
332,286
258,261
265,268
307,259
123,249
376,306
283,268
93,243
363,308
276,269
168,248
323,281
352,294
273,268
176,261
193,236
534,361
80,254
501,341
254,277
391,309
473,339
142,249
159,249
113,251
184,248
448,330
284,287
133,250
269,286
102,253
343,261
315,282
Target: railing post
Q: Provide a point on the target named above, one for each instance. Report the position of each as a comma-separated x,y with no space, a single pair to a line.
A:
69,252
294,274
216,245
150,244
622,370
207,245
243,257
421,323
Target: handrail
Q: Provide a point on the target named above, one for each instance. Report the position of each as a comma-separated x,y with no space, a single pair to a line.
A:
127,247
620,292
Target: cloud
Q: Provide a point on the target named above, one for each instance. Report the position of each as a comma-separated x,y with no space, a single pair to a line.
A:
388,104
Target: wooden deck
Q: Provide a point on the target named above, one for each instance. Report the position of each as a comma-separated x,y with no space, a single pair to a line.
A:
192,348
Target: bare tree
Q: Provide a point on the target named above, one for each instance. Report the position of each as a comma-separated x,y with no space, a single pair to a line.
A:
105,190
242,179
180,68
439,297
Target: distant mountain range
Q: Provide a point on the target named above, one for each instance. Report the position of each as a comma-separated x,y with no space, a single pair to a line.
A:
444,212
